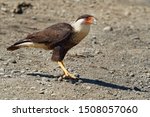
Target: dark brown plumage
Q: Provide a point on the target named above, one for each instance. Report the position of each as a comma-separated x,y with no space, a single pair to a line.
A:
59,37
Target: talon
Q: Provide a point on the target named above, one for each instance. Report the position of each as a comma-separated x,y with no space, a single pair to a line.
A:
68,75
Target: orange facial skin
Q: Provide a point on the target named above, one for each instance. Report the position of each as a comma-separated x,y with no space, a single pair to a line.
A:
89,20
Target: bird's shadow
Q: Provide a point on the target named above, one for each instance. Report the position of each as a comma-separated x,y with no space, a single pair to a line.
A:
90,81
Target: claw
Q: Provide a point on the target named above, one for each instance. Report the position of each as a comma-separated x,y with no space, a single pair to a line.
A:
66,73
69,75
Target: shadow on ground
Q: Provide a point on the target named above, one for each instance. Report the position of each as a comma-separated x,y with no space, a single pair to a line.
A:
90,81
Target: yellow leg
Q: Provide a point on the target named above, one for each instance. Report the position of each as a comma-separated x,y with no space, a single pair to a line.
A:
66,73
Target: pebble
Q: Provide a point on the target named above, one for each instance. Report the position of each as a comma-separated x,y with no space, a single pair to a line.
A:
3,9
131,74
122,65
94,37
34,18
136,37
32,88
148,75
94,42
42,89
70,70
42,92
22,71
127,13
2,69
108,28
2,73
1,59
88,87
112,71
5,63
60,78
7,76
12,15
12,61
53,94
14,71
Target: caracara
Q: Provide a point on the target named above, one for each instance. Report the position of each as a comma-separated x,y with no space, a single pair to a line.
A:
59,38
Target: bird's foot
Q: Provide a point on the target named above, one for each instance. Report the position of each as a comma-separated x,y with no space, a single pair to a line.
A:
70,78
69,75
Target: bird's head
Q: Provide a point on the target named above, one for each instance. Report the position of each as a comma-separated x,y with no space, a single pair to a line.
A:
86,19
83,23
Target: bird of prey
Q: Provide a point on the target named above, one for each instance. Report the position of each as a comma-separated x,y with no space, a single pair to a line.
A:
59,38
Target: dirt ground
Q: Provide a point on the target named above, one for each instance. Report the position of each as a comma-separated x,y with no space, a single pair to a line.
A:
113,61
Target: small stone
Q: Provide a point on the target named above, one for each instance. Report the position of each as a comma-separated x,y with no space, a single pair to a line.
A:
112,71
127,13
60,78
42,89
34,18
5,63
70,70
12,61
41,92
32,88
12,15
92,5
108,28
22,71
131,74
14,71
80,81
94,37
53,94
3,9
88,87
23,75
148,75
1,59
2,73
136,37
2,69
7,76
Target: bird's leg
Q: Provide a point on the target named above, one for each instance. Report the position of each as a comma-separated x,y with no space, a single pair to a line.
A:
66,73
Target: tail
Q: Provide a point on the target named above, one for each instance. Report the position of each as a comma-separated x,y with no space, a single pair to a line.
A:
17,45
12,48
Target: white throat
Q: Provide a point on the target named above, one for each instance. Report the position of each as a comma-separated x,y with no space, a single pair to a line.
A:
81,30
79,26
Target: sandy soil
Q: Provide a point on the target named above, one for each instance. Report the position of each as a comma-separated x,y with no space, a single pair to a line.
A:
113,61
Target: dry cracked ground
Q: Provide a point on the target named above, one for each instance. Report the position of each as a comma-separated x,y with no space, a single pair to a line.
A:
113,61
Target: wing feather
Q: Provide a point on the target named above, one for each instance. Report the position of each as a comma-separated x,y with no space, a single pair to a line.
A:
52,35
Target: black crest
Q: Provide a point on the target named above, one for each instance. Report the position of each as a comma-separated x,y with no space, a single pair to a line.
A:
84,16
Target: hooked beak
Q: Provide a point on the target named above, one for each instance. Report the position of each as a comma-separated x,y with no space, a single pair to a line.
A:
94,20
91,20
